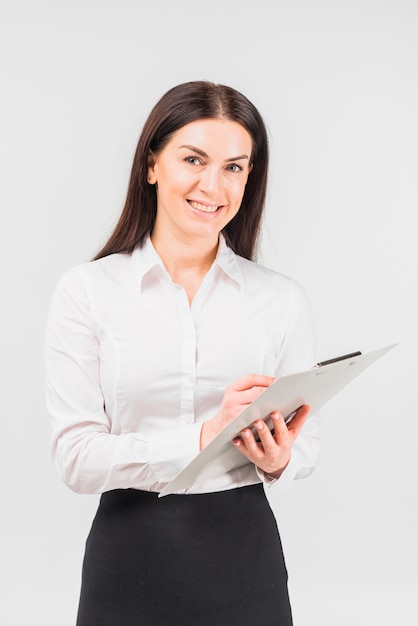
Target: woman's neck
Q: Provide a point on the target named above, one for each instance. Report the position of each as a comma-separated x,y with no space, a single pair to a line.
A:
187,262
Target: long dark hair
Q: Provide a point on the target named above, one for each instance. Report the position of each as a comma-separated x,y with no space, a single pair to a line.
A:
182,105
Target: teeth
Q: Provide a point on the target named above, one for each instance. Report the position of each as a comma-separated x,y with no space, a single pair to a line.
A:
203,207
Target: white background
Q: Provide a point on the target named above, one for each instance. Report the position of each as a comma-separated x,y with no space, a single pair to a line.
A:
337,84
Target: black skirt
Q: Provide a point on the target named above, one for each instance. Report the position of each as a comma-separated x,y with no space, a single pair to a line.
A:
184,560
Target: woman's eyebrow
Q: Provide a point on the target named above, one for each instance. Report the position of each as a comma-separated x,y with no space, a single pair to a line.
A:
203,154
197,150
238,158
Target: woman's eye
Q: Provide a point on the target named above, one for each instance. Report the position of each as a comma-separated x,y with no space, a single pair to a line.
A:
234,167
193,160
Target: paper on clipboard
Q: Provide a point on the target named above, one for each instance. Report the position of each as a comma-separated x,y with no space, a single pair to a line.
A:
314,387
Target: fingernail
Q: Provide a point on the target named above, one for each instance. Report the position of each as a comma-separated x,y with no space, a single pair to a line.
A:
246,434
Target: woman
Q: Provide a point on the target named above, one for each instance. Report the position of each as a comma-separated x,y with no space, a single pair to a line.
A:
152,349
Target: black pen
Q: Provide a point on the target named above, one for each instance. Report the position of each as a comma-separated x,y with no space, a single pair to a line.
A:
338,358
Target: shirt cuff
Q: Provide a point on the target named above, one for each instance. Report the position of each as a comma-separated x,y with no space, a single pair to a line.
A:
286,477
172,450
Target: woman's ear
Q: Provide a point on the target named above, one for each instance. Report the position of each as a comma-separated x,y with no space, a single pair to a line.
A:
152,177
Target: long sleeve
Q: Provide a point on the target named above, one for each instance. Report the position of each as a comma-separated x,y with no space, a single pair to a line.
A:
90,453
297,353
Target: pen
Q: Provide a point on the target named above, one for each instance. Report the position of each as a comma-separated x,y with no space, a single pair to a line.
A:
338,358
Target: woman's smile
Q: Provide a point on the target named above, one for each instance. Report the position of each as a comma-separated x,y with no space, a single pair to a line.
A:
202,207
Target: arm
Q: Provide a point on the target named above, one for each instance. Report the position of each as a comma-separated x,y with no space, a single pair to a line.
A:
297,444
291,451
91,455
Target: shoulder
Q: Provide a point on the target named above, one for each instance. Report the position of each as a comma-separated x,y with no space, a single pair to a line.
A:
107,269
257,277
95,280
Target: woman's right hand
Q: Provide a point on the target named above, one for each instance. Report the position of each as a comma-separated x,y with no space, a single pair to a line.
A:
236,398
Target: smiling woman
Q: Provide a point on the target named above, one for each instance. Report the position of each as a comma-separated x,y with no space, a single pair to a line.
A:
199,189
180,106
146,363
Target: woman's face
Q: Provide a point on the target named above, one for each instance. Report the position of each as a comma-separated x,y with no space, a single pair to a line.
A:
200,178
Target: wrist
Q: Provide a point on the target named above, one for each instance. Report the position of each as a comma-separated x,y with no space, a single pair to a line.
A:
207,433
275,474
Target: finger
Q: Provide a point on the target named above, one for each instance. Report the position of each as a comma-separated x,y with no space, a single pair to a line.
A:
266,437
252,380
245,396
239,443
298,421
248,445
280,429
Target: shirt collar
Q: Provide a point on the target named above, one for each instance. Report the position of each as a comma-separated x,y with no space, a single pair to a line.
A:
228,262
145,260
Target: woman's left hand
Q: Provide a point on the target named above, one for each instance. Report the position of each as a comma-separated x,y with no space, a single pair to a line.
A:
272,452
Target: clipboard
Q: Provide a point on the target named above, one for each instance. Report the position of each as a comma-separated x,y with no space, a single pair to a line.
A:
314,387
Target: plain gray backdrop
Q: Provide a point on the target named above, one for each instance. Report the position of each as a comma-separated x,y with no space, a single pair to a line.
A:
336,82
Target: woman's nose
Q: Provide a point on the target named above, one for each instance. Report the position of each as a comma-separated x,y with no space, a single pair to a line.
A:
210,180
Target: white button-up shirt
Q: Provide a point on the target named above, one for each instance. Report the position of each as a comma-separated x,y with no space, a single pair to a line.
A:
132,369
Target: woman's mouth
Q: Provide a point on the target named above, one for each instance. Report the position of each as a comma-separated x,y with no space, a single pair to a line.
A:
205,208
